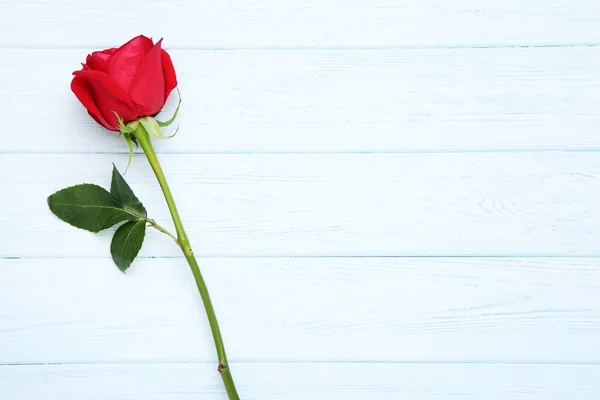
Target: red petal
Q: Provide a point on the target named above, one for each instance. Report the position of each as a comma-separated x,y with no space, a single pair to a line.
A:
98,60
83,91
148,88
169,72
127,60
102,96
102,122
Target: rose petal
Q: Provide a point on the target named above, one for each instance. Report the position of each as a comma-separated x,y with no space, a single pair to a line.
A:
148,88
169,73
102,97
98,60
83,91
124,64
102,122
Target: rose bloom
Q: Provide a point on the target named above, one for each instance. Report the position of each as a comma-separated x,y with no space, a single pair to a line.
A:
134,81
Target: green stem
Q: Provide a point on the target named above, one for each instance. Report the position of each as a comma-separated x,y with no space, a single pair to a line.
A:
223,367
159,228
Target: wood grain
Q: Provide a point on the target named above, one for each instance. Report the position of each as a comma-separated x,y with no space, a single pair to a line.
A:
330,101
314,136
543,203
303,309
302,381
311,23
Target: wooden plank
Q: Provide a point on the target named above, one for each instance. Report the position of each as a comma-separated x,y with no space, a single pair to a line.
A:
303,309
311,23
303,381
325,204
330,101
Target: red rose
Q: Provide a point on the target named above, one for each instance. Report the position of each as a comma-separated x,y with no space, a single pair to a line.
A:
134,81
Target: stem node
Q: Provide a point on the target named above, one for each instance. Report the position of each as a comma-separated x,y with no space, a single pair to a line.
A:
222,367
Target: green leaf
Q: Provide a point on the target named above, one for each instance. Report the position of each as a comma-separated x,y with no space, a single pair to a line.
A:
124,196
127,242
88,207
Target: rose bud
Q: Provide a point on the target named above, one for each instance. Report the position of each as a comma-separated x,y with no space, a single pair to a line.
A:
132,81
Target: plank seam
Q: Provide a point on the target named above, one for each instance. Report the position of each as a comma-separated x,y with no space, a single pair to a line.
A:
317,152
325,48
341,256
366,362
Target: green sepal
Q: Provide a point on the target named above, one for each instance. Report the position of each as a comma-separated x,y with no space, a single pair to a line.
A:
130,127
126,131
128,139
152,127
170,121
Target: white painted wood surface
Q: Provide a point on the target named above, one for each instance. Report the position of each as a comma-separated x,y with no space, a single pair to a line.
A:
300,381
334,101
293,24
330,204
392,200
305,309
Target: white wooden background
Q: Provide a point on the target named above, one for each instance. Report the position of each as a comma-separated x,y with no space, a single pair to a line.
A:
392,200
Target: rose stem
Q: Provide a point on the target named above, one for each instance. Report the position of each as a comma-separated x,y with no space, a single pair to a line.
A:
223,367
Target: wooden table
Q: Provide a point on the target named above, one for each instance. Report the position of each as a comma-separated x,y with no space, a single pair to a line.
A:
390,200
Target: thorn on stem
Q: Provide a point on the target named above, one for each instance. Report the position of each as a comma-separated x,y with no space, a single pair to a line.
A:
222,367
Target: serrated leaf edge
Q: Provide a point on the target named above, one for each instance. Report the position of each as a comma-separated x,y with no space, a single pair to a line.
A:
135,224
132,211
136,217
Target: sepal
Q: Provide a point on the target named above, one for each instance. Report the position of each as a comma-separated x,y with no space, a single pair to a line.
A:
126,131
153,128
170,121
